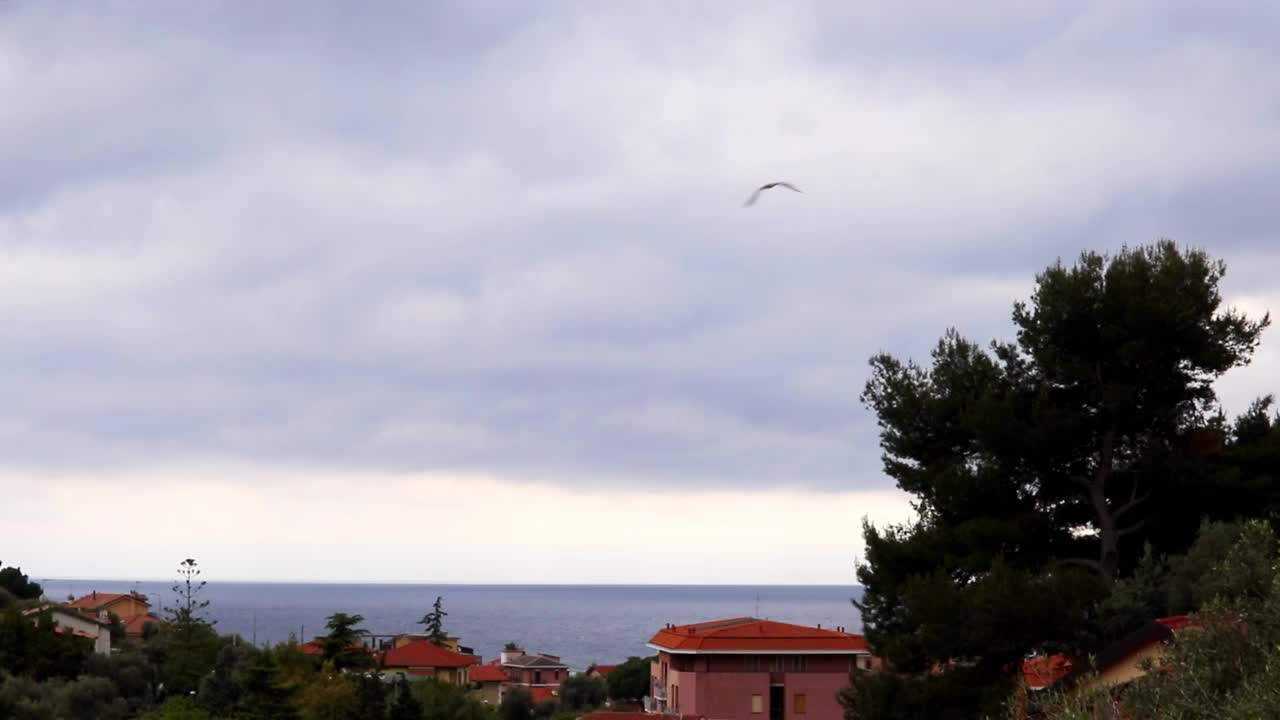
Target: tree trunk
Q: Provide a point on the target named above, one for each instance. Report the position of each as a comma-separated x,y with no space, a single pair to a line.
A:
1108,532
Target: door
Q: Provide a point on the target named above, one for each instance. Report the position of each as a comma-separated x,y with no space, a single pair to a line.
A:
777,702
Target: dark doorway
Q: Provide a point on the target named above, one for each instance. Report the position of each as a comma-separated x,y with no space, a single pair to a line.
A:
777,703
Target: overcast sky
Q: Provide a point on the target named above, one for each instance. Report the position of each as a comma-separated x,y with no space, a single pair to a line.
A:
466,292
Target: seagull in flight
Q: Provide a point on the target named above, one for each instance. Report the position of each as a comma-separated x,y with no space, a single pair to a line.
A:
768,186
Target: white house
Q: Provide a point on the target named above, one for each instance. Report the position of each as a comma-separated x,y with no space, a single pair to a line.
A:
78,623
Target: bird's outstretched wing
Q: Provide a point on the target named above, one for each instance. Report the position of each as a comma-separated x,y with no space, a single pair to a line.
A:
789,186
752,199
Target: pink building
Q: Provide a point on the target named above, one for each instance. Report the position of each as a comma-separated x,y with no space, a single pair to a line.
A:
533,671
749,669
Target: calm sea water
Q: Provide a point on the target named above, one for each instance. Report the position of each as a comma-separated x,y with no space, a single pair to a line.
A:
581,623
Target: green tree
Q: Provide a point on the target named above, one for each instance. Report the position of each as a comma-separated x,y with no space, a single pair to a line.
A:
328,696
264,696
517,704
220,690
511,647
433,623
187,646
371,696
17,584
630,680
177,708
1038,456
583,693
36,649
404,705
343,645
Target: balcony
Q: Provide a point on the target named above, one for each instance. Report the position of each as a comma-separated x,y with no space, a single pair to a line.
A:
659,690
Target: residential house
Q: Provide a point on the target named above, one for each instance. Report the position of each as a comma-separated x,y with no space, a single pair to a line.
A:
421,659
533,670
135,627
752,669
487,681
600,671
1124,660
126,606
79,623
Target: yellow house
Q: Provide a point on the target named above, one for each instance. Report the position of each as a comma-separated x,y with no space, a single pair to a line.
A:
420,659
126,606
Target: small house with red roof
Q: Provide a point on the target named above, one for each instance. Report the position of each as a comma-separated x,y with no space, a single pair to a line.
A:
487,681
752,669
421,659
600,671
533,669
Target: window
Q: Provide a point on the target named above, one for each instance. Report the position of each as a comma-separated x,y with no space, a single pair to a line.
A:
751,663
799,704
757,704
537,677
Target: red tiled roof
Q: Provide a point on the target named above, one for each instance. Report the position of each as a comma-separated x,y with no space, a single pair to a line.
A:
311,648
136,624
421,653
1042,671
604,670
752,635
606,715
96,600
487,673
1175,622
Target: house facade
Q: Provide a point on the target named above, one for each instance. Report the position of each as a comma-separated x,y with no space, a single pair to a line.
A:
79,623
533,670
421,659
751,669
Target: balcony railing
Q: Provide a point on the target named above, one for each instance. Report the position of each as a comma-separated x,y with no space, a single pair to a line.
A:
659,690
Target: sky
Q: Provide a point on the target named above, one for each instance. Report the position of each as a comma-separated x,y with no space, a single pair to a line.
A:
466,291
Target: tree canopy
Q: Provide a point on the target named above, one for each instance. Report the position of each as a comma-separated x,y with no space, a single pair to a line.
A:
1041,467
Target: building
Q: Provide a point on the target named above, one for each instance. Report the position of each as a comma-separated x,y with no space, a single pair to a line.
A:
1124,660
600,671
125,606
421,659
486,682
751,669
135,627
532,671
79,623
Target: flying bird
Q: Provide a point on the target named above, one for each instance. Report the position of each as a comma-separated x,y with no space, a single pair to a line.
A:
768,186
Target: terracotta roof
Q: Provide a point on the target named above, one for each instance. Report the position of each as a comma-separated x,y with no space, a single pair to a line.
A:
136,624
421,653
311,648
96,600
753,635
604,670
1042,671
487,673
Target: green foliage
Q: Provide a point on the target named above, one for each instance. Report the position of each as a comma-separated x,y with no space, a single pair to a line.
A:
342,646
1224,665
263,696
186,647
517,704
329,696
630,680
85,698
17,585
404,704
1036,456
448,702
132,674
580,692
956,695
220,690
178,708
371,696
433,623
35,648
511,647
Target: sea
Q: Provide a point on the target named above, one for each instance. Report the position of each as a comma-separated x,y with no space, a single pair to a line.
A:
583,624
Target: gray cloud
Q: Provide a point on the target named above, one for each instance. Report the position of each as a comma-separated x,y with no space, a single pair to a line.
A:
472,237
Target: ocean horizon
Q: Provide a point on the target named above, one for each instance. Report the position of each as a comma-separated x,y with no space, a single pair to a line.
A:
583,624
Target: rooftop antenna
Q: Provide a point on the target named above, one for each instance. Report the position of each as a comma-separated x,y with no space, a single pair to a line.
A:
757,605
